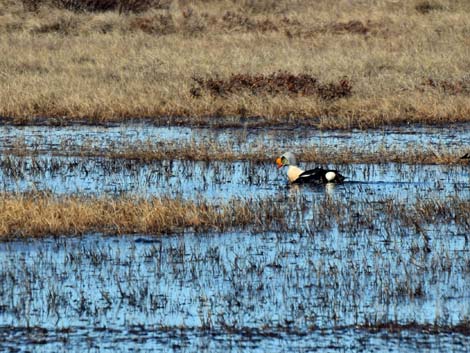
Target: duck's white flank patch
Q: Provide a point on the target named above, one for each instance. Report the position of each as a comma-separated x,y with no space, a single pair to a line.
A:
330,176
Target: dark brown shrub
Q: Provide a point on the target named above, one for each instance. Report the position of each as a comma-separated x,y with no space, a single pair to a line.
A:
31,5
355,27
234,20
259,7
266,26
87,5
425,7
123,6
274,84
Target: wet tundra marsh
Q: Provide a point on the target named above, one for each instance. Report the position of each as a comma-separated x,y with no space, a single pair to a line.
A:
327,63
104,252
236,291
419,145
219,181
39,215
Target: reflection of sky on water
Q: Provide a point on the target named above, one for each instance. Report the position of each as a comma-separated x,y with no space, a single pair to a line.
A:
133,287
236,291
46,138
219,180
222,181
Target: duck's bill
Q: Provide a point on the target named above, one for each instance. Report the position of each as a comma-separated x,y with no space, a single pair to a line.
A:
278,162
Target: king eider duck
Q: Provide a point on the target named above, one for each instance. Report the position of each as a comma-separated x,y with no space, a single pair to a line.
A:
299,176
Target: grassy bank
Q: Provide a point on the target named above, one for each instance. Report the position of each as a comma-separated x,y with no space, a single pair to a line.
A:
38,215
331,64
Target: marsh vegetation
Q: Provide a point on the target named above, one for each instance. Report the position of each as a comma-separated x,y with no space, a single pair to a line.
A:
121,234
232,291
141,208
330,65
148,143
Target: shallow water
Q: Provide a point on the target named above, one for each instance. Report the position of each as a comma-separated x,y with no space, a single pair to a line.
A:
233,291
224,180
146,339
313,289
48,139
218,181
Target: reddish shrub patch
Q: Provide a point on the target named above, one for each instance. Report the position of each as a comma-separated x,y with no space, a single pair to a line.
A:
273,84
355,27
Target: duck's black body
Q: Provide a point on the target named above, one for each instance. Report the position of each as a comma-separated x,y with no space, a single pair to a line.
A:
320,176
299,176
465,156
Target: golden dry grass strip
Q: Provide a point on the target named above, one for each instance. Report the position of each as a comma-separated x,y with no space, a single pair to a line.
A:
406,61
38,215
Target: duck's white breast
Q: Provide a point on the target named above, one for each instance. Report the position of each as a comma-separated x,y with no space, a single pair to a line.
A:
293,173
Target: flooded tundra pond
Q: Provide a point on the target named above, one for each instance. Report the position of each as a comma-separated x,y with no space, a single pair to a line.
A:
232,292
218,181
355,280
49,139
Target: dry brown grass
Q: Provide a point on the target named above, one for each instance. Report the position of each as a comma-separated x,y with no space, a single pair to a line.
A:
106,66
38,214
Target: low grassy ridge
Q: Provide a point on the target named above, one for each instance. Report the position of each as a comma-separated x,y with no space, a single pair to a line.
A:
40,214
331,64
